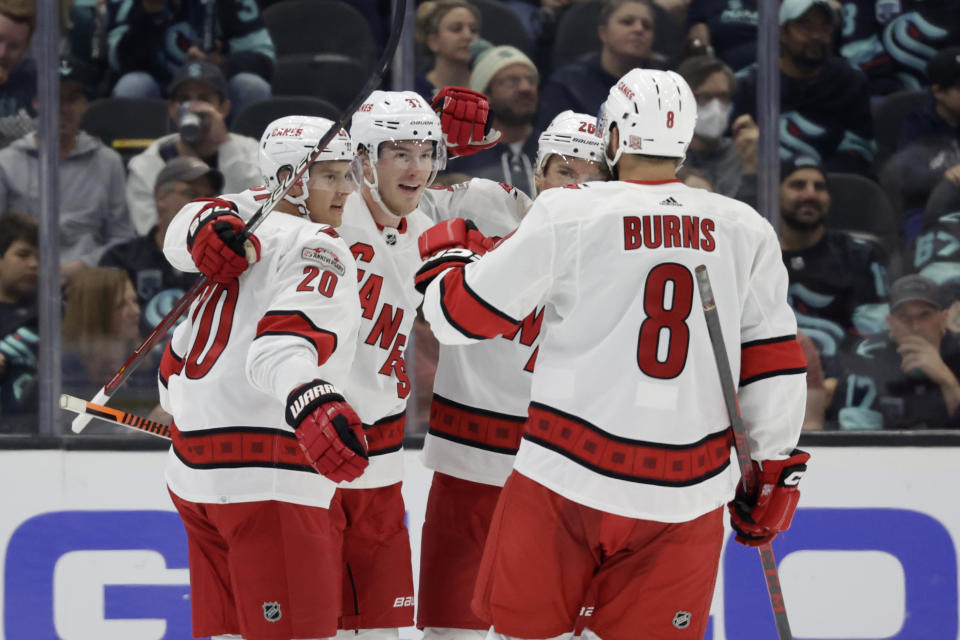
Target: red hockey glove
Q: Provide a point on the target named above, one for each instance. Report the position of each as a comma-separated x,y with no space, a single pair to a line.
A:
328,430
466,121
217,245
440,263
456,233
758,518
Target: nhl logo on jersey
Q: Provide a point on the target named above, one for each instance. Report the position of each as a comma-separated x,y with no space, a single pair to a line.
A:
681,619
390,235
272,612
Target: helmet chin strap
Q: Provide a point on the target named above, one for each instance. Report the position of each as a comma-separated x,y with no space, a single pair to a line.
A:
300,201
374,187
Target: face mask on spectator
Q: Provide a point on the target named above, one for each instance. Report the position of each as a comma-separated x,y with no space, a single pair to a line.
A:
712,119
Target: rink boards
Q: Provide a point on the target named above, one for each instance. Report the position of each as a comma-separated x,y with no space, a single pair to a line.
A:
90,547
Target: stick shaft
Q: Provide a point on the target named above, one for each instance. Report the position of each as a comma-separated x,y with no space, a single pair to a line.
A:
748,474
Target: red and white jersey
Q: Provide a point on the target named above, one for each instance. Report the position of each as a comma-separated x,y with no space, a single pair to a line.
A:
386,261
481,391
243,346
626,411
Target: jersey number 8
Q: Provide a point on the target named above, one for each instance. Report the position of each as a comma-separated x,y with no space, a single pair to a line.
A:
667,300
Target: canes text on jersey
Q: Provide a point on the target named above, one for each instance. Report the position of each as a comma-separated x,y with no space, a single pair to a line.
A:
668,231
386,328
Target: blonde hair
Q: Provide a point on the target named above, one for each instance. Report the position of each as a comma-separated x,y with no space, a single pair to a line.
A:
91,299
431,13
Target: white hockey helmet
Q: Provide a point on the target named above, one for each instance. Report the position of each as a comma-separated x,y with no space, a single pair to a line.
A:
655,113
286,141
570,134
393,116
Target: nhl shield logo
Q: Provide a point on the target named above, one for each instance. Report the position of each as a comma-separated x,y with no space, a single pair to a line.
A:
271,611
681,619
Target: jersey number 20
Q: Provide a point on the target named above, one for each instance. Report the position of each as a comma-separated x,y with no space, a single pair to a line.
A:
667,300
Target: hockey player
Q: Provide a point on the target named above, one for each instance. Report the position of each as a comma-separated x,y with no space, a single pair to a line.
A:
624,464
481,391
400,147
253,372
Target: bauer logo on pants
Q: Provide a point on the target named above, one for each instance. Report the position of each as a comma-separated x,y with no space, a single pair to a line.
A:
681,619
271,611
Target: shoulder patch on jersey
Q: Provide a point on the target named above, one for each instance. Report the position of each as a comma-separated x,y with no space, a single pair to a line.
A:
328,230
326,258
506,187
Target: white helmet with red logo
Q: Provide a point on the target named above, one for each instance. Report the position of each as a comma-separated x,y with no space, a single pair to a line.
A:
570,134
286,141
655,113
393,116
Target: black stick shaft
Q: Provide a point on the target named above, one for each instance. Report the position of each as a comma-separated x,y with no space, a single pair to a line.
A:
748,475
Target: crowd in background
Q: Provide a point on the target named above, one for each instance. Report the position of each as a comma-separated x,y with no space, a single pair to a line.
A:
869,148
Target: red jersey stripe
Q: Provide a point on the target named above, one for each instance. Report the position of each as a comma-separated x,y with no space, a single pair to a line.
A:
468,312
295,323
767,358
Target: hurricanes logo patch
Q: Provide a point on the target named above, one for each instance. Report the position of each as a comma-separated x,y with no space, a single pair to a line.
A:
271,611
681,619
327,259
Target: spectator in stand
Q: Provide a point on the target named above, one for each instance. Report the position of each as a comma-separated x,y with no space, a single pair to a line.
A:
928,146
18,72
150,40
730,163
724,28
445,29
837,282
824,105
626,32
198,89
19,342
93,213
906,379
815,410
892,41
509,79
157,283
101,328
941,117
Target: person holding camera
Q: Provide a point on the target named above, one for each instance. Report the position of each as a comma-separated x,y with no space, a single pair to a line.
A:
199,106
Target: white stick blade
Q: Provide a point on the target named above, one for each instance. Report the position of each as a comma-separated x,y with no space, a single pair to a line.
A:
83,419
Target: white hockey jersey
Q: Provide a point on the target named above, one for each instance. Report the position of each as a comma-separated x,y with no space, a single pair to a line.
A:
243,346
481,390
386,261
626,411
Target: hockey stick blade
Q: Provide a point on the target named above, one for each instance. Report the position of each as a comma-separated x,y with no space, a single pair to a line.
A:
747,472
82,420
114,416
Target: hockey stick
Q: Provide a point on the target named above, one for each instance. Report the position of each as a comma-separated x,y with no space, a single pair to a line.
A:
123,373
747,472
84,408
